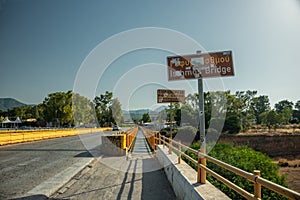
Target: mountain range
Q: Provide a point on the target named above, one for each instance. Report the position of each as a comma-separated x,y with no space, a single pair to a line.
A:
9,103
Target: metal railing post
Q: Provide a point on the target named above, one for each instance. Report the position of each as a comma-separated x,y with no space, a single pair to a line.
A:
164,142
199,169
179,152
257,186
159,142
170,145
201,173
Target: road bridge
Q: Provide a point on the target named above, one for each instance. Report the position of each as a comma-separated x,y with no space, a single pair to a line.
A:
29,168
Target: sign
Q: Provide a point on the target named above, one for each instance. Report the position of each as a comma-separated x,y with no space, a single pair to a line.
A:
213,64
170,96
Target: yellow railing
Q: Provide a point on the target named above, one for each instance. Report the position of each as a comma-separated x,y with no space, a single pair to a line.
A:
119,143
130,136
19,136
202,169
151,137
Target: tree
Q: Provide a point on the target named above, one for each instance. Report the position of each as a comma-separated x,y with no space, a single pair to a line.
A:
103,108
192,99
270,118
244,108
146,117
172,112
285,109
83,111
116,110
189,116
286,115
108,110
283,104
260,104
232,124
296,112
57,108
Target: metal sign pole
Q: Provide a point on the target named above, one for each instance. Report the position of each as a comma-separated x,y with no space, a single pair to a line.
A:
171,120
202,174
201,116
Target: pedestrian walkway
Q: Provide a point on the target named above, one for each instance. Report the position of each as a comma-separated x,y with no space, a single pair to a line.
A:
105,182
135,176
140,146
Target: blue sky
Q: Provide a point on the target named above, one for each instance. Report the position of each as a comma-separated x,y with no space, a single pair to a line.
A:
43,44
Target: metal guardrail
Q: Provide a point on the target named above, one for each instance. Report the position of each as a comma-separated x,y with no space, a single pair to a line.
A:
203,169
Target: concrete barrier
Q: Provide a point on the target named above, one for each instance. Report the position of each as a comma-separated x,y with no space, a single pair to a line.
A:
183,179
19,136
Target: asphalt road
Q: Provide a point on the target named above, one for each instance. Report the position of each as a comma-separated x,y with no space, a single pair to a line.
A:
26,168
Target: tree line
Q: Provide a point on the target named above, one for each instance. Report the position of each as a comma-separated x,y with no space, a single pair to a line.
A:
239,111
71,109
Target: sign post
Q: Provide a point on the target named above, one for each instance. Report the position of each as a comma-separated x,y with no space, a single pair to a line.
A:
202,176
170,96
199,66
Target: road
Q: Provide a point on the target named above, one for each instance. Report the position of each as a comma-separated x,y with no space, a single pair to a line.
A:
26,168
137,176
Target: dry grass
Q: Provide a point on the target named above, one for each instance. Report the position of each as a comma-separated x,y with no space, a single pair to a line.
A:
13,137
283,129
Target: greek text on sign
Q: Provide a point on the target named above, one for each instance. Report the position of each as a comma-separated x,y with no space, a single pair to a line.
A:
213,64
170,96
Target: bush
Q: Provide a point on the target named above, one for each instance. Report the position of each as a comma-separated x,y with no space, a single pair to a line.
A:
232,124
246,159
186,134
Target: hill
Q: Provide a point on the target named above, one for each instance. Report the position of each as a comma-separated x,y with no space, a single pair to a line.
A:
9,103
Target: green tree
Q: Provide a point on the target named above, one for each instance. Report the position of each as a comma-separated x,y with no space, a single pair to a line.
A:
189,116
283,104
83,111
1,115
285,109
108,110
260,104
116,110
244,108
232,124
192,99
57,107
286,115
146,117
103,108
296,112
270,118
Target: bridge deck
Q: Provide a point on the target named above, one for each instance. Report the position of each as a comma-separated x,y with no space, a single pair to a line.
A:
140,146
136,176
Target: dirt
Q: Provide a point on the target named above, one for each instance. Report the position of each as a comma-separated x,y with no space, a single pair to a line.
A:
291,169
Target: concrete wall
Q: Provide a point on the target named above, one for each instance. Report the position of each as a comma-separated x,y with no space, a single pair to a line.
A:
183,179
287,146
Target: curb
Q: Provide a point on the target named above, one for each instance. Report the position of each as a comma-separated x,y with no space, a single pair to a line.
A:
53,184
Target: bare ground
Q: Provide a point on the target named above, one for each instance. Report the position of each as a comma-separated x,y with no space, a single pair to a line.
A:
291,169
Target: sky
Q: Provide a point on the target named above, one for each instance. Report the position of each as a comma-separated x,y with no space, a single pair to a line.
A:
45,45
